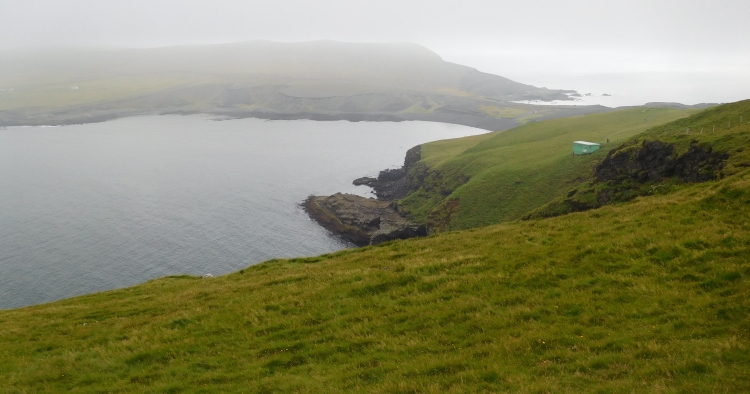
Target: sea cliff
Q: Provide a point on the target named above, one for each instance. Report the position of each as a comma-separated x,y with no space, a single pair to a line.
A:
369,221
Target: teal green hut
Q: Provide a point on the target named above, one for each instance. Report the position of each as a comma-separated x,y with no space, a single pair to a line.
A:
583,147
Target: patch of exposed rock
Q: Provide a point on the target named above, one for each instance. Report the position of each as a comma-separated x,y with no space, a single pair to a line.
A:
395,183
363,221
367,221
638,169
656,161
627,168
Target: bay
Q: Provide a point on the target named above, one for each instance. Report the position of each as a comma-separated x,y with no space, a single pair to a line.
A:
86,208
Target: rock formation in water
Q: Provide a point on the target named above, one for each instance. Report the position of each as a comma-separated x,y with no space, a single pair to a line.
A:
393,184
363,221
368,221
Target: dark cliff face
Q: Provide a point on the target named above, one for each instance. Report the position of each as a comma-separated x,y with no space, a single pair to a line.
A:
415,176
396,183
656,161
367,221
650,161
639,169
626,170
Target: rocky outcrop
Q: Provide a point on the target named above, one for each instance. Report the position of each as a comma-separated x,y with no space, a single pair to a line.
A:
363,221
367,221
638,169
628,168
395,183
656,161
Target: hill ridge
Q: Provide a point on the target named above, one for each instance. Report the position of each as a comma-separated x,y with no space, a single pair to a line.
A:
284,80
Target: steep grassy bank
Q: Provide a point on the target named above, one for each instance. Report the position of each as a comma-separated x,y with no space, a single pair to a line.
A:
707,145
647,296
498,177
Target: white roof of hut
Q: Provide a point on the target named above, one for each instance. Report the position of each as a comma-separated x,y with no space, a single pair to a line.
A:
586,143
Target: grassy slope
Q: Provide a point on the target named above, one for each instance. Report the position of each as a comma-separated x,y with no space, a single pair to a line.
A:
184,92
520,169
349,78
647,296
60,95
712,127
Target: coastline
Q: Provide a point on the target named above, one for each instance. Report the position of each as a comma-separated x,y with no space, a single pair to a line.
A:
9,119
468,116
370,221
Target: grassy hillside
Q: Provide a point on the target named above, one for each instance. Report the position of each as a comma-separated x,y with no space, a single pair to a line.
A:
304,80
714,130
510,173
652,295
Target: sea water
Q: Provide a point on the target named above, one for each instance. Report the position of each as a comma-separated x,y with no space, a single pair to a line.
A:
86,208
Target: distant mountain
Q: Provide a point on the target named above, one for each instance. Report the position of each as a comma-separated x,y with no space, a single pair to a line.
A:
317,80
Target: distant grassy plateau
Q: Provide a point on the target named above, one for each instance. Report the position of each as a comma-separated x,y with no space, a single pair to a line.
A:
323,80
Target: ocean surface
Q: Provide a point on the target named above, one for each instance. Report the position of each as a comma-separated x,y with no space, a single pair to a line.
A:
628,89
86,208
663,77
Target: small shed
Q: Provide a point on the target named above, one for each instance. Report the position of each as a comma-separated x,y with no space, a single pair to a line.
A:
583,147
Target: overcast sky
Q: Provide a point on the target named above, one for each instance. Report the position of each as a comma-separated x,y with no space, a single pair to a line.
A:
501,36
683,27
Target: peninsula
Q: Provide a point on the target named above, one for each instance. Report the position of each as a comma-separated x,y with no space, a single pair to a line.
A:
319,80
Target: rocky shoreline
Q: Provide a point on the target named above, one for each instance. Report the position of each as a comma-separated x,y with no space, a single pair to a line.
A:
369,221
393,184
363,221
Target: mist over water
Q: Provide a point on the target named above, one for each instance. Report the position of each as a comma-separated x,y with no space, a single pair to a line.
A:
625,85
86,208
638,88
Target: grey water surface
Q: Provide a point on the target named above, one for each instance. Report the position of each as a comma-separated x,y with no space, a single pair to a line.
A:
86,208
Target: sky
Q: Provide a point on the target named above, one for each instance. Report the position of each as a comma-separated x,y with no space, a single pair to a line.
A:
560,43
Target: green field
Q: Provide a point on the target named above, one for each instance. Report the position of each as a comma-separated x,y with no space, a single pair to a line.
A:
95,91
651,295
499,177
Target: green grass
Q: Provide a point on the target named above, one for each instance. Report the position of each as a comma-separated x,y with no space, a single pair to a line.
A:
510,173
113,84
95,91
647,296
438,152
652,295
729,135
718,128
